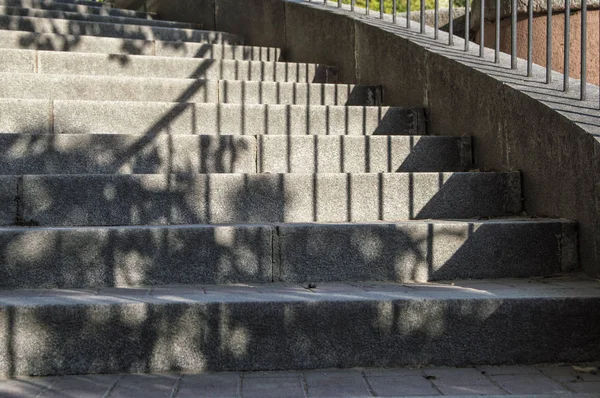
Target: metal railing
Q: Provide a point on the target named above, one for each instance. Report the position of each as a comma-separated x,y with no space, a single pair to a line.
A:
513,32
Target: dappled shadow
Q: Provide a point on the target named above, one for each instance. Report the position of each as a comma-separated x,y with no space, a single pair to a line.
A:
219,227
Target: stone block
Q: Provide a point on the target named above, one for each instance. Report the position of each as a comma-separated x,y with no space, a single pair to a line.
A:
22,11
372,154
297,93
279,331
138,32
125,154
10,200
105,88
199,50
54,62
25,116
84,7
71,200
85,44
419,251
18,62
126,256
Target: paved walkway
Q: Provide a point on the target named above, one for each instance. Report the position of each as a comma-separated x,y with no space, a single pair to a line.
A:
547,380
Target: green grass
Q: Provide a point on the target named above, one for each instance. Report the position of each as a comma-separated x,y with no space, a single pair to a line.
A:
415,5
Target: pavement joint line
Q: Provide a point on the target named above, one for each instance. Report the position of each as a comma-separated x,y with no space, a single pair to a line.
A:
366,380
491,380
304,384
112,387
175,389
49,387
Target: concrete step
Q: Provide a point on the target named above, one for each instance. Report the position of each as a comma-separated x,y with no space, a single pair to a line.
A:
154,118
157,199
76,16
139,154
287,327
82,7
68,63
108,45
87,257
108,88
85,28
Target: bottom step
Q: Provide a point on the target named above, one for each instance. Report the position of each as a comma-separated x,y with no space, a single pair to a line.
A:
278,326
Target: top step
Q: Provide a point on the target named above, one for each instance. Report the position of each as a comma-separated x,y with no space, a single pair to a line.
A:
76,16
82,7
125,31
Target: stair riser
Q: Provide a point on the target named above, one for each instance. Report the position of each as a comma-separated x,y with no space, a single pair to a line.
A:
108,45
74,16
82,8
228,198
65,63
50,340
121,154
151,119
66,27
36,258
100,88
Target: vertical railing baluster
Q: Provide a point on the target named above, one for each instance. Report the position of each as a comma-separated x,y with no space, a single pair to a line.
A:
352,5
530,38
583,93
381,9
467,24
482,29
394,11
408,14
367,7
549,42
422,16
567,45
497,47
436,20
513,35
451,24
339,3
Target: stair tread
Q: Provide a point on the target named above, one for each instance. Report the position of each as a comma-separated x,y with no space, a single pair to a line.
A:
113,65
77,16
512,220
17,39
492,289
91,7
104,29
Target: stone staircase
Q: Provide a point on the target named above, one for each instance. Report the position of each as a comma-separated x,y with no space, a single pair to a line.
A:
175,200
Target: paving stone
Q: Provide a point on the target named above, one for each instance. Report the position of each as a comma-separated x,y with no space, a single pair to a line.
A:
92,386
592,387
386,386
529,384
25,386
350,383
467,390
272,387
397,372
456,376
567,373
210,385
273,374
508,370
144,386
